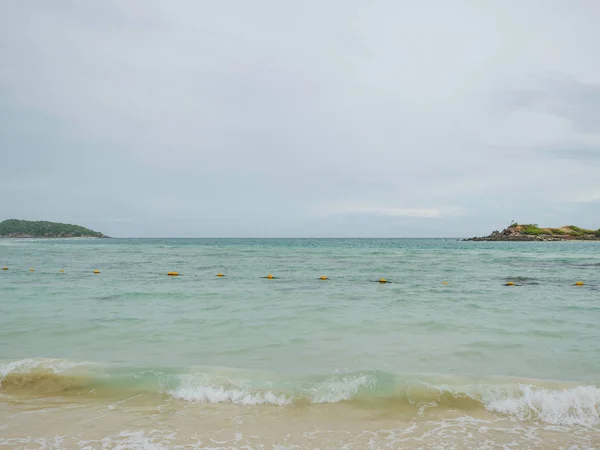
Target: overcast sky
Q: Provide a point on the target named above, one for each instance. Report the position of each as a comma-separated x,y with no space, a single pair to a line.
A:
308,118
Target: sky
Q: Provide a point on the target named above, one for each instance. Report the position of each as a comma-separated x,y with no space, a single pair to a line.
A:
448,118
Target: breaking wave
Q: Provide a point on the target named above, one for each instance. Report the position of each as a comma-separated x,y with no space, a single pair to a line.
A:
534,400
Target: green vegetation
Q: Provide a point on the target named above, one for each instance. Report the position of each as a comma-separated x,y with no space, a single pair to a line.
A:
26,228
532,229
580,231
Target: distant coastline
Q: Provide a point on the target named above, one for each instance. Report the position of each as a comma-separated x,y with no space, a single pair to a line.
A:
24,229
532,232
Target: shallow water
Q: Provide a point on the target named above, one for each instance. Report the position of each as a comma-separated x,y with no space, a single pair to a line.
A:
131,357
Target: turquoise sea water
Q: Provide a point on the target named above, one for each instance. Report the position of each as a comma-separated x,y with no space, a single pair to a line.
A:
529,352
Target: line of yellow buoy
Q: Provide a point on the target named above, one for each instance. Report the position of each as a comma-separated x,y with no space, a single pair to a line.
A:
268,277
323,277
60,271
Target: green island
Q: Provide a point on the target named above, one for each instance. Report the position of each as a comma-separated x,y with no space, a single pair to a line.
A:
532,232
14,228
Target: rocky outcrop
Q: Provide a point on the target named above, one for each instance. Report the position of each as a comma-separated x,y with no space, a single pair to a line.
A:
533,233
501,236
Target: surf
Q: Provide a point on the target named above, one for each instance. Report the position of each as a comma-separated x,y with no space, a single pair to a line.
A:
551,402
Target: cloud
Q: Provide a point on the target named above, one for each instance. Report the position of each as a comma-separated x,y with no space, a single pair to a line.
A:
419,213
114,220
315,119
575,153
562,96
591,196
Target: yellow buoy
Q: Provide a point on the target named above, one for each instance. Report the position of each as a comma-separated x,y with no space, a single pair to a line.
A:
173,274
96,271
31,270
383,280
579,283
510,283
444,282
220,275
323,278
5,268
270,277
62,271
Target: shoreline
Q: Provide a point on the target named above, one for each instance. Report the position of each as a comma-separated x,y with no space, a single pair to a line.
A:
336,410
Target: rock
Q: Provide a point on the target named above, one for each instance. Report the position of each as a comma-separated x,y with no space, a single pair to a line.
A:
513,234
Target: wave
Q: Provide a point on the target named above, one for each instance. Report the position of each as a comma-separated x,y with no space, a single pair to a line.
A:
42,376
29,365
575,406
191,391
550,402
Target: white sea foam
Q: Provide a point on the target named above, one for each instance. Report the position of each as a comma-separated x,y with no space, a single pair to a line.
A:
202,389
211,394
339,389
131,439
575,406
45,443
193,388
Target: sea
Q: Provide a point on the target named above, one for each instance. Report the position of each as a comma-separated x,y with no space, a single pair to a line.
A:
443,355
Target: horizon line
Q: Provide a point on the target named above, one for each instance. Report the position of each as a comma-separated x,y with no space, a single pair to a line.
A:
286,237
